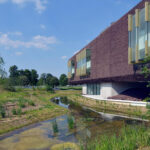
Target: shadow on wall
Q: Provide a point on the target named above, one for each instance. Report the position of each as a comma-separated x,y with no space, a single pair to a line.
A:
134,94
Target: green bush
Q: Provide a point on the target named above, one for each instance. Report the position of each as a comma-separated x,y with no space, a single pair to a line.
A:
2,111
9,88
14,112
31,103
22,103
19,111
147,99
71,88
49,89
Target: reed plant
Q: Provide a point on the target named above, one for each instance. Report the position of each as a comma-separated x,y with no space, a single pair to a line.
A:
130,138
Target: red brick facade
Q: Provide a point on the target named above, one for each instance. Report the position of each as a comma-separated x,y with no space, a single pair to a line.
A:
109,54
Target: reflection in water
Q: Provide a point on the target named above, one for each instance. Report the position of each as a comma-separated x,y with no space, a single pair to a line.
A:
80,124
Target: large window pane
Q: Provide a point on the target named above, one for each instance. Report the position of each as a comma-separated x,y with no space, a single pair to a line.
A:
93,89
142,33
133,40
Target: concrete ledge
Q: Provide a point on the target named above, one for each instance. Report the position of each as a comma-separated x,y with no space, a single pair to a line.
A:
132,103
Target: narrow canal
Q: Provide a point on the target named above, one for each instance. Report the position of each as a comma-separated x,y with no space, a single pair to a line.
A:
78,126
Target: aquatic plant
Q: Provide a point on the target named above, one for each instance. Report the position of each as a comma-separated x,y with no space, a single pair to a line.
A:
131,138
55,127
71,122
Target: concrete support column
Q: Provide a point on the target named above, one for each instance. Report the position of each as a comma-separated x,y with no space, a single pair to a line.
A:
84,89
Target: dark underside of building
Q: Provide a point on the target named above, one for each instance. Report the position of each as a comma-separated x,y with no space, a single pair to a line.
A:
110,65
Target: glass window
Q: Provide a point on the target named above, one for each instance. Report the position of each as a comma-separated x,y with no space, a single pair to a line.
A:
93,89
88,64
142,33
148,34
133,39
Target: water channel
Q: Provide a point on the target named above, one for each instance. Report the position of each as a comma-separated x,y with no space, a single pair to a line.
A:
79,125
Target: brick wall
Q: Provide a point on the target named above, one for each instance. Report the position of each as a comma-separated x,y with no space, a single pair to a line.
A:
109,54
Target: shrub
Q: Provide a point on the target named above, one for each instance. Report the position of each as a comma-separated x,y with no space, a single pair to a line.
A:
2,111
14,112
19,111
49,89
31,103
147,99
22,102
9,88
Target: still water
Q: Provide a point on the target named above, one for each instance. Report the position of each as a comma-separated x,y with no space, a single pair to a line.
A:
78,126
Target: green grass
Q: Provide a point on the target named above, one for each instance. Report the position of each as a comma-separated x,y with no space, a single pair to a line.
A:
131,138
71,88
38,100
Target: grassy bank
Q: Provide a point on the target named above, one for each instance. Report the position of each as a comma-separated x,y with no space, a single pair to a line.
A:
131,138
70,88
27,106
112,107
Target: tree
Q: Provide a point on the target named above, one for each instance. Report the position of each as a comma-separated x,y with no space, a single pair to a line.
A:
42,80
34,77
2,70
146,70
23,80
13,70
14,73
27,73
54,82
63,80
48,78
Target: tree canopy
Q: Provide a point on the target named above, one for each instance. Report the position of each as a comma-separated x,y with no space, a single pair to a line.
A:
2,70
63,80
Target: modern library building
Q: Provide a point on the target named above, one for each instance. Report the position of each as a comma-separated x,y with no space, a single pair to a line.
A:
110,64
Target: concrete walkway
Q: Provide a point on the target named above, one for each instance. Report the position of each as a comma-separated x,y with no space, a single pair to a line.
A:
132,103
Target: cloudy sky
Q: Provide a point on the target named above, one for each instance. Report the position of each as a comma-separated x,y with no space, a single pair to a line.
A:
43,34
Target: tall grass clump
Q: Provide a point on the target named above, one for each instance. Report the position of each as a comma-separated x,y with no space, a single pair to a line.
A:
130,138
71,122
2,111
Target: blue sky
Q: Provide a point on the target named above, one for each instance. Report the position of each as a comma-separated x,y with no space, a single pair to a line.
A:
43,34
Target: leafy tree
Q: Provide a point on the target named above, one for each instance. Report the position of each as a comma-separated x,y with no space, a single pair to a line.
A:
34,77
2,70
21,72
42,80
23,80
63,80
14,73
13,70
48,79
27,73
54,82
146,70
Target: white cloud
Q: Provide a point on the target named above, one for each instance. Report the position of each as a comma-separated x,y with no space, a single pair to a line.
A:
40,5
3,1
64,57
18,53
41,42
43,26
15,33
